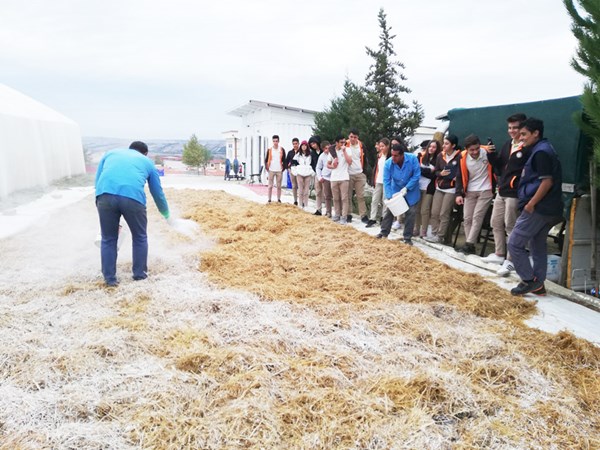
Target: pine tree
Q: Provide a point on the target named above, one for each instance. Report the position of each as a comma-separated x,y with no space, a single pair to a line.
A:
389,113
376,109
346,112
587,62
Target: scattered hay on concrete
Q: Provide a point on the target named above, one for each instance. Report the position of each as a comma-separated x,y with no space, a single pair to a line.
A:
176,362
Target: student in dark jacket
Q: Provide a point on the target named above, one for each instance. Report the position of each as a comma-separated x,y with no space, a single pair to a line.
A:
427,159
446,169
289,162
508,168
315,151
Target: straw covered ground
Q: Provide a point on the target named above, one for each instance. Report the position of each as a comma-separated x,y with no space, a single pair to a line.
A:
274,328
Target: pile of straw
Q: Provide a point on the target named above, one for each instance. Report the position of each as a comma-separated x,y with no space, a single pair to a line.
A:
347,342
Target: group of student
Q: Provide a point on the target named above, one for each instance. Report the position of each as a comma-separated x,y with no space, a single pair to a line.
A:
433,182
335,170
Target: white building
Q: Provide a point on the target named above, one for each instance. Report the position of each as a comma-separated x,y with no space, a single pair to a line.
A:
37,144
232,140
260,121
422,133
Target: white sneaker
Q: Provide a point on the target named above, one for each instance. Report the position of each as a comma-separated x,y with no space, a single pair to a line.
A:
396,225
506,268
343,221
435,239
336,218
493,259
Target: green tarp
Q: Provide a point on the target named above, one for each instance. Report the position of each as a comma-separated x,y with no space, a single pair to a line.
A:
572,146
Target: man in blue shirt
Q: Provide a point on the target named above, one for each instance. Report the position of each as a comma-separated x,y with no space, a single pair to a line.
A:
120,180
401,175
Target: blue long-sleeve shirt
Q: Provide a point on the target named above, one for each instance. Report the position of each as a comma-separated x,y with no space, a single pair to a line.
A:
125,172
395,178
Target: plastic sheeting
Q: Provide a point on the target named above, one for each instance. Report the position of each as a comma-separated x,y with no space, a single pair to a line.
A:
37,144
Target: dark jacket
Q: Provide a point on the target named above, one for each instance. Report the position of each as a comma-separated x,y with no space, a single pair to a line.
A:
508,168
314,158
447,181
289,160
428,172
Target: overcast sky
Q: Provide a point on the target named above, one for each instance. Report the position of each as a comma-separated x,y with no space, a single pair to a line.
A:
150,69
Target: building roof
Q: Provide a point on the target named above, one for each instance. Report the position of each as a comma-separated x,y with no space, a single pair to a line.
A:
255,105
13,103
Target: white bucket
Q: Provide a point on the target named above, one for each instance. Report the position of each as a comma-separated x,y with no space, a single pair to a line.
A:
397,205
123,232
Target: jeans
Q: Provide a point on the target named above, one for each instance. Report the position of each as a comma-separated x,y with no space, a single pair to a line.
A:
531,230
110,209
409,222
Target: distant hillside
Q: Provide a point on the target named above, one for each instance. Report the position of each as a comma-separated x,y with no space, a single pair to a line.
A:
163,147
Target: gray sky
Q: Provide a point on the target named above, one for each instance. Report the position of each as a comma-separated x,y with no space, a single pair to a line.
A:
150,69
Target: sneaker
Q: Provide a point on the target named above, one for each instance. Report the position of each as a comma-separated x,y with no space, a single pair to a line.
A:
318,213
343,221
467,249
541,292
295,203
336,218
492,258
434,239
381,236
269,201
364,219
396,225
328,215
370,223
506,268
408,242
525,287
278,201
349,218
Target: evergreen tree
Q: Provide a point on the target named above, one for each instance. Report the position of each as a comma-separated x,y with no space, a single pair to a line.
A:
587,62
389,113
345,112
377,109
195,154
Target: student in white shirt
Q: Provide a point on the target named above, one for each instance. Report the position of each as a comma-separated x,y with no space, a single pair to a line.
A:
338,161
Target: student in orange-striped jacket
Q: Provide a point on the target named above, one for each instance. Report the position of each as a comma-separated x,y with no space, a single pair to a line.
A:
274,165
475,183
508,167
